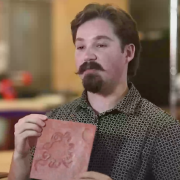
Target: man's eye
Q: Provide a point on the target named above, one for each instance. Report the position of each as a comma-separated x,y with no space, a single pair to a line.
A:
101,45
80,47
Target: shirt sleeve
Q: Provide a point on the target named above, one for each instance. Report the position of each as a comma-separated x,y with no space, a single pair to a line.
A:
166,162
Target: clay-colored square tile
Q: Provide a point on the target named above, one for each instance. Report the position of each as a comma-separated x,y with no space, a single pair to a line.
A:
63,151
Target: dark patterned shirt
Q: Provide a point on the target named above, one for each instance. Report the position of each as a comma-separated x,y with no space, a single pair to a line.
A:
135,140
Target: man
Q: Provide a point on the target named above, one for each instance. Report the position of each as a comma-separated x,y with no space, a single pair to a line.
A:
135,139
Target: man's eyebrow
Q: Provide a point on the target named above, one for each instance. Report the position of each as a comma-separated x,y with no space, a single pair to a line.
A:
79,39
103,37
96,38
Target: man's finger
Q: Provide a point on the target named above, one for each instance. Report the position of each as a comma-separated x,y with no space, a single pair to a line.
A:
39,116
94,175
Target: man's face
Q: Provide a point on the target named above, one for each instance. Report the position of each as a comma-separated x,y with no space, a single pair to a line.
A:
99,58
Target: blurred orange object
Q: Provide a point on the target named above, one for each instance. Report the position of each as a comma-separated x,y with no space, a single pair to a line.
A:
26,78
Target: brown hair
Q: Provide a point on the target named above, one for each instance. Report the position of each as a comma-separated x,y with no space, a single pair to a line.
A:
124,27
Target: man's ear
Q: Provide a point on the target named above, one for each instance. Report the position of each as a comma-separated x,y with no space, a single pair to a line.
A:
129,52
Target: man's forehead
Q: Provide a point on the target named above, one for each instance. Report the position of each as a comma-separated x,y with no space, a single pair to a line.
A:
98,37
95,29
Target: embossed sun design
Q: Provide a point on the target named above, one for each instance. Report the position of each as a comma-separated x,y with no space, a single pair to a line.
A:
57,152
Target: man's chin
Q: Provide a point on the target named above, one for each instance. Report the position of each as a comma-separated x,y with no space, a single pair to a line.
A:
87,73
92,82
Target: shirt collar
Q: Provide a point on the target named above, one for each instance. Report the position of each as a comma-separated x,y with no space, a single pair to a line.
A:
127,105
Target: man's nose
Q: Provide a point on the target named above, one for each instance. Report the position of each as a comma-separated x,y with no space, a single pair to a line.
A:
90,55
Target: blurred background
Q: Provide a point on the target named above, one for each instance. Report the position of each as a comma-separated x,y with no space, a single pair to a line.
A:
37,57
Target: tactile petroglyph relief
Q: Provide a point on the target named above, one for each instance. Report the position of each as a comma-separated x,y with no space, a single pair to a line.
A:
63,151
51,150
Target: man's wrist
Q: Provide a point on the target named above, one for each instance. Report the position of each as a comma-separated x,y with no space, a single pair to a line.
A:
17,156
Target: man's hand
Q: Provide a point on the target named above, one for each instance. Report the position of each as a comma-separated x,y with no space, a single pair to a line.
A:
94,175
27,130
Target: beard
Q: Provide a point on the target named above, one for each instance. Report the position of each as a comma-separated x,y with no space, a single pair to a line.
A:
92,83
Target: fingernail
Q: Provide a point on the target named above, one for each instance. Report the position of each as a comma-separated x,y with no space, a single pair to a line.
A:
44,117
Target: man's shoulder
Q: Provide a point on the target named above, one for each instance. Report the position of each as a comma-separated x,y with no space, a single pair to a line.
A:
64,110
155,114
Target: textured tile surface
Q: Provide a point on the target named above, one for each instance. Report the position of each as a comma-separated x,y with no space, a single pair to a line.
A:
63,151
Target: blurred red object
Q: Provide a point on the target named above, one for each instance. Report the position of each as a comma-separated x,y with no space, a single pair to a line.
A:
7,90
15,79
21,78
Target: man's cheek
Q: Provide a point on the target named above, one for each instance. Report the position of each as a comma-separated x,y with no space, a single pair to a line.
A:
78,64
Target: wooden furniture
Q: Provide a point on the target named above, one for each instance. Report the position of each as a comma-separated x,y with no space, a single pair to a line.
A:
5,161
3,175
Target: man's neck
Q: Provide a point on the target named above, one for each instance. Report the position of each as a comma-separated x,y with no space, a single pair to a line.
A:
102,103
